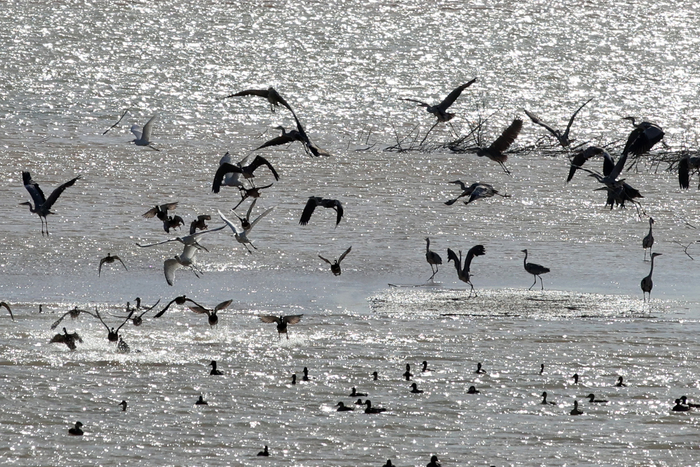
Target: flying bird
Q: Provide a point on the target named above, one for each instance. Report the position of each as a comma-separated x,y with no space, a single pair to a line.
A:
335,266
181,300
242,235
109,259
642,138
463,271
315,201
272,96
246,170
138,319
495,152
282,322
685,166
112,334
74,313
160,211
42,206
200,223
440,110
299,134
211,314
432,258
475,191
563,138
143,136
535,270
188,240
582,156
246,193
7,307
68,339
183,260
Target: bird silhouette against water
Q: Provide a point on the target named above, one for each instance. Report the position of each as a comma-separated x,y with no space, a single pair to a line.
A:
582,156
76,430
686,166
432,258
73,313
66,338
200,223
648,241
316,201
214,371
647,284
42,205
354,393
272,96
161,212
7,307
253,192
264,453
109,259
475,191
535,270
433,462
212,316
181,300
563,138
620,383
641,139
342,407
576,410
496,151
186,259
124,405
545,401
372,410
246,170
282,322
463,270
335,266
143,135
112,334
298,134
593,400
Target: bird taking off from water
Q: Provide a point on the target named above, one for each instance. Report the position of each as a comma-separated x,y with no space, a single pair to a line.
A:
535,270
245,170
68,339
315,201
272,96
109,259
42,206
282,322
581,157
640,140
563,138
648,241
211,314
296,135
335,266
432,258
440,110
181,300
647,284
463,271
495,152
143,136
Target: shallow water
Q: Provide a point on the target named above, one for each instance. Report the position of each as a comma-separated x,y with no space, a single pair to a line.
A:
70,70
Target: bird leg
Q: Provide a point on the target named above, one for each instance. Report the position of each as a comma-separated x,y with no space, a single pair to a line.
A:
243,197
435,271
541,282
533,284
505,169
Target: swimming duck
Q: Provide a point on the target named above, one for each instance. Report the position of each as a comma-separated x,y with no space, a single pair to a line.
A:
123,404
76,431
679,407
264,452
575,378
433,462
359,402
576,410
370,409
415,389
684,400
375,376
479,370
545,401
388,463
592,399
425,366
306,375
201,401
407,374
354,393
542,368
294,378
619,383
342,407
473,390
214,371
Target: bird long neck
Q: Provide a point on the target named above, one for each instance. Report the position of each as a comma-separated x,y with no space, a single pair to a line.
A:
427,245
652,265
525,259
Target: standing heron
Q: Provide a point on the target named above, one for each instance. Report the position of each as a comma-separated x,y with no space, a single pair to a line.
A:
42,206
648,241
647,284
282,322
335,266
496,150
109,259
315,201
242,235
143,136
535,270
563,138
463,271
432,258
211,314
272,96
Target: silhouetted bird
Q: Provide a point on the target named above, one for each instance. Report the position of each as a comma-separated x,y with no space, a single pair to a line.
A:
432,258
68,339
433,462
42,206
342,407
440,110
246,170
264,453
335,266
593,400
74,313
123,404
160,211
200,223
575,378
576,410
306,375
181,300
122,346
475,191
314,202
463,271
619,383
272,96
7,307
648,241
685,166
76,430
545,401
582,156
296,135
563,138
407,374
354,393
496,151
372,410
112,334
535,270
214,371
109,259
680,407
415,390
212,317
425,366
282,322
647,284
201,401
246,193
479,370
473,390
644,136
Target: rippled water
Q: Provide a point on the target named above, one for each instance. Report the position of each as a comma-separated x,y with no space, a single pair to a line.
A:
70,69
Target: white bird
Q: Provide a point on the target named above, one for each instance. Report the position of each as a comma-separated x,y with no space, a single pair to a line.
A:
231,178
143,136
184,260
242,235
188,240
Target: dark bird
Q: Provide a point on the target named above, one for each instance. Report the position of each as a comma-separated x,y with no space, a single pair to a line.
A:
359,402
407,374
143,136
479,370
473,390
541,368
618,190
200,223
264,452
535,270
375,376
294,378
74,313
272,96
575,378
648,241
433,462
342,407
685,166
354,393
214,371
495,152
161,211
335,266
181,300
642,138
122,346
684,400
201,401
246,170
592,399
109,259
647,284
463,271
306,375
680,407
211,314
582,156
42,206
282,322
415,390
440,110
76,430
576,410
299,134
123,404
112,334
7,307
545,401
68,339
563,138
314,202
475,191
388,464
619,383
425,366
432,258
173,222
246,193
372,410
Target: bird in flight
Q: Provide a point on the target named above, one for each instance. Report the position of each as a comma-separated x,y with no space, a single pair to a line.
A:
335,266
181,300
109,259
143,136
463,271
242,235
315,201
563,138
475,191
7,307
42,206
246,170
272,96
68,339
282,322
299,134
440,110
211,314
496,152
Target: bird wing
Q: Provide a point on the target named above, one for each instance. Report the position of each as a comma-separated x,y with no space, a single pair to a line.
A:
168,206
339,210
420,103
98,316
169,268
120,260
316,151
57,192
58,321
579,159
324,259
159,243
536,120
684,173
198,309
276,96
33,189
344,255
147,128
223,305
452,97
250,209
508,136
102,261
251,92
292,319
223,169
617,170
452,256
136,130
571,120
309,209
477,250
278,141
260,160
3,304
228,222
608,163
270,319
265,213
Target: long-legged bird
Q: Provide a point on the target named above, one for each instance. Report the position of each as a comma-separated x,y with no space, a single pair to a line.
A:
42,206
535,270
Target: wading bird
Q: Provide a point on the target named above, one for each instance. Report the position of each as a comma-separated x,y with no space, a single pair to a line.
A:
211,314
644,136
535,270
242,235
648,241
463,271
432,258
272,96
42,206
647,284
68,339
335,266
563,138
475,191
181,300
7,307
495,152
282,322
109,259
143,136
685,166
246,170
315,201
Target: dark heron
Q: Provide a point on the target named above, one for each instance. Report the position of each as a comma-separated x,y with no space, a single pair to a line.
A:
109,259
463,271
246,170
42,206
642,138
315,201
496,152
563,138
687,165
582,156
647,284
535,270
272,96
282,322
432,258
335,266
648,241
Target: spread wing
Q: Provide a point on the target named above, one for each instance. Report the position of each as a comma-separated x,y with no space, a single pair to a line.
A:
3,304
223,305
223,169
344,255
324,259
292,319
265,213
147,128
508,136
57,192
33,189
309,210
260,160
270,319
452,97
